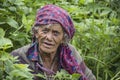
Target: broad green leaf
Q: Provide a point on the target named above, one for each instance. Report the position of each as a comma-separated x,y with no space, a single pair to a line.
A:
4,56
76,76
12,9
18,73
16,2
24,20
82,1
85,1
21,66
2,19
5,43
2,22
41,76
27,23
2,32
3,11
19,2
12,23
105,12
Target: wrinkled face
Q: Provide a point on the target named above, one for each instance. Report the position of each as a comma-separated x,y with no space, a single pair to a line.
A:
49,37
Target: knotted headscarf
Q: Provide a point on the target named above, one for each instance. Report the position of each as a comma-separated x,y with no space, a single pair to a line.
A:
51,14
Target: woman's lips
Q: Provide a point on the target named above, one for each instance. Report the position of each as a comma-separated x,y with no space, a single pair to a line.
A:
48,45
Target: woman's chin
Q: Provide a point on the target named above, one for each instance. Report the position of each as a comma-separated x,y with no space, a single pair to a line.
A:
47,49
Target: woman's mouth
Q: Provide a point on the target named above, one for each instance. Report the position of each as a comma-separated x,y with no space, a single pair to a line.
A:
48,45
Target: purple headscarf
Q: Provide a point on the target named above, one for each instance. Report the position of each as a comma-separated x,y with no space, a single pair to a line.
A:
51,14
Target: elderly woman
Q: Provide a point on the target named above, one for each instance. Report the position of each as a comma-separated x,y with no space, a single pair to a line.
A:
50,50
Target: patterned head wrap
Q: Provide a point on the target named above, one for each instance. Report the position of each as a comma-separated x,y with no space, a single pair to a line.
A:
52,14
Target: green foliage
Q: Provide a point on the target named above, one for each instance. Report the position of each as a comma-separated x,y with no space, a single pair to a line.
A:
14,20
97,38
9,70
5,43
64,75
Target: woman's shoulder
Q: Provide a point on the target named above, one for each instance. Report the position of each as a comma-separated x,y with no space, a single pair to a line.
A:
71,46
21,50
21,54
75,53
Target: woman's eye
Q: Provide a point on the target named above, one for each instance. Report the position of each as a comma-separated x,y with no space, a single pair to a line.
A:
56,33
44,31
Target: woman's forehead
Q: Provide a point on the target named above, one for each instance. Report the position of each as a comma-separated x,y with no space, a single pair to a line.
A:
56,26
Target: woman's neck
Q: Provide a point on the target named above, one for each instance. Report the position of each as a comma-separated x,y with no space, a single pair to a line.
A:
48,59
47,56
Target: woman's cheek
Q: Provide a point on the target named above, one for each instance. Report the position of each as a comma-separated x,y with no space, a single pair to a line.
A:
58,40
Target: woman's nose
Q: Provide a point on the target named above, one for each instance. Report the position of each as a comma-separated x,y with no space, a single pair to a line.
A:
49,36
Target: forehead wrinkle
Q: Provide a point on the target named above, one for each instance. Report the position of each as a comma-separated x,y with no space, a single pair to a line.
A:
57,29
54,25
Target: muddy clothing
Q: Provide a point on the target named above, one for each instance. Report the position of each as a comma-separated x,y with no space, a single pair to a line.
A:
21,52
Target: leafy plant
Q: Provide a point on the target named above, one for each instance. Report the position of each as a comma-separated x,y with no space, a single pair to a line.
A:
65,75
62,75
9,70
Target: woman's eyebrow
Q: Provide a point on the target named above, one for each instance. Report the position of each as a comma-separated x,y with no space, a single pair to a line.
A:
45,29
56,31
